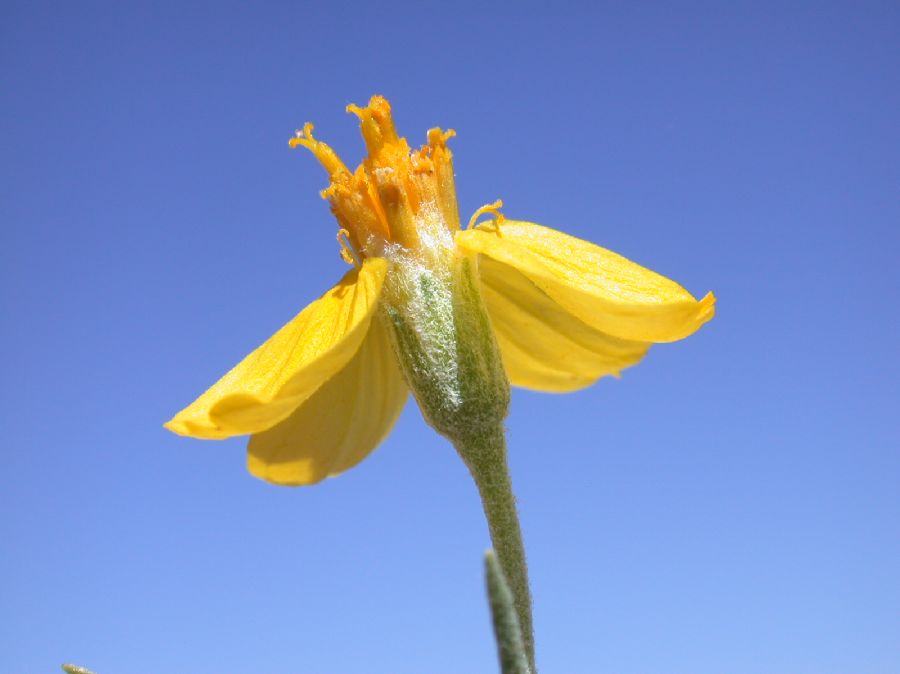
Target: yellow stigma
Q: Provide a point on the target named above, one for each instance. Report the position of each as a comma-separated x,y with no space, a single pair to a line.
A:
348,254
493,209
395,192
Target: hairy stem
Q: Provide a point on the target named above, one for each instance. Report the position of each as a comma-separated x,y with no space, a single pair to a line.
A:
485,455
510,649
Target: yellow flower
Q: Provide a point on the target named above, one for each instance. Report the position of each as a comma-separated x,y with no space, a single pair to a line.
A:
323,392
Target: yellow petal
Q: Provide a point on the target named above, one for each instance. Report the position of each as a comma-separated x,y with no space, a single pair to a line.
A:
601,288
543,346
271,382
339,424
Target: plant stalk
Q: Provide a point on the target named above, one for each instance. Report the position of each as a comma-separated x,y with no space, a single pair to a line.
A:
508,634
485,455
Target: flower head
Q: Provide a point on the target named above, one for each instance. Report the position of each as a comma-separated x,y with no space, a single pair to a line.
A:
427,307
397,194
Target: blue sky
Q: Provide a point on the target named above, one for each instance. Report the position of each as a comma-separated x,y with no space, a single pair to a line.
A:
729,505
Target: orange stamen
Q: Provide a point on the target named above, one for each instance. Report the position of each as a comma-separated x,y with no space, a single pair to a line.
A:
323,152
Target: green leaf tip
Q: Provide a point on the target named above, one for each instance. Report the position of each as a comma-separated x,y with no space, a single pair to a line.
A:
74,669
508,634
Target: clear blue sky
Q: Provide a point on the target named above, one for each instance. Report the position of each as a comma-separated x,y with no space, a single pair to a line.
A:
730,505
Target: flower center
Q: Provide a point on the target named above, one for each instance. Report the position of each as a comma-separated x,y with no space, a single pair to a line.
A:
397,196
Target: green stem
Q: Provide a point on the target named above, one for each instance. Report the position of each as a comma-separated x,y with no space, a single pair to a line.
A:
510,649
485,455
